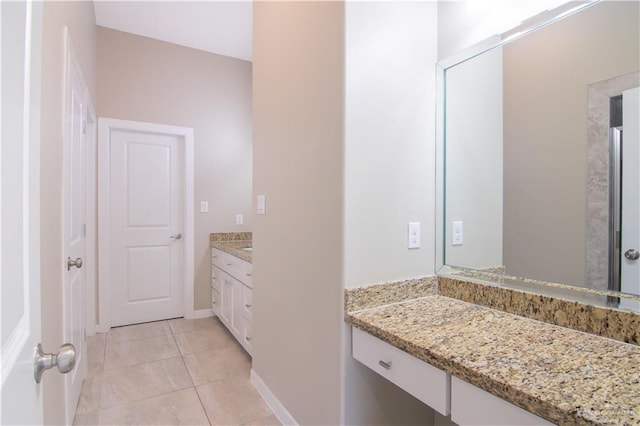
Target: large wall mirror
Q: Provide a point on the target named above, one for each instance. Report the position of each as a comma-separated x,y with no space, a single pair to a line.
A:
541,146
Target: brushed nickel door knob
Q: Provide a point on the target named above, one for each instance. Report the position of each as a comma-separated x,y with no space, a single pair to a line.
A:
64,360
77,263
631,254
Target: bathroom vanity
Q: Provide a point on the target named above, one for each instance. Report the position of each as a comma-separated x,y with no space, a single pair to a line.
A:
487,366
232,284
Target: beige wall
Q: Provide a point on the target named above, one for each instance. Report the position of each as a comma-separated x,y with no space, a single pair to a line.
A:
298,112
389,175
143,79
545,137
79,17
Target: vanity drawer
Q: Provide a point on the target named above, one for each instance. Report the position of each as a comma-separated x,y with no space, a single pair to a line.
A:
246,336
425,382
471,405
247,302
216,258
246,271
216,278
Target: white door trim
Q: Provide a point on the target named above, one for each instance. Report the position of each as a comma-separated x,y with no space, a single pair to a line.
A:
105,127
91,239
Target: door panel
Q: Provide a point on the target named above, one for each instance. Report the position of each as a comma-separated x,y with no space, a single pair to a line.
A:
20,50
147,204
74,167
149,276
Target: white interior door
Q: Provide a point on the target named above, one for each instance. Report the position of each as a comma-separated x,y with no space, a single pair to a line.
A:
630,225
21,24
147,225
74,166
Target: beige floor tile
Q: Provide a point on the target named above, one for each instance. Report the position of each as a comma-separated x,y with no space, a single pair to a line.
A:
265,421
138,331
232,402
216,364
118,355
95,354
176,408
142,381
180,325
203,339
88,419
90,395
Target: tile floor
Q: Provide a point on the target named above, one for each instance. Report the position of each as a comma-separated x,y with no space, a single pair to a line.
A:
175,372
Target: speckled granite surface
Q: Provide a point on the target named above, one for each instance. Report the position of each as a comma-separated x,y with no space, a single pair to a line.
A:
230,236
356,298
557,373
602,321
233,244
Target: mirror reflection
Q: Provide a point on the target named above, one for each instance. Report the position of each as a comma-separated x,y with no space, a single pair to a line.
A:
542,153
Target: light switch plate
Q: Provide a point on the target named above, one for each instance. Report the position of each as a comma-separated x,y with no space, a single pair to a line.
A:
261,207
414,235
457,234
239,219
204,206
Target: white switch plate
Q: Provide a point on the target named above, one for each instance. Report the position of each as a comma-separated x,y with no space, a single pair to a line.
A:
414,235
261,207
457,233
204,206
239,219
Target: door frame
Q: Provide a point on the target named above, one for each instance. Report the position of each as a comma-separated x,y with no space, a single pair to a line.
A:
105,127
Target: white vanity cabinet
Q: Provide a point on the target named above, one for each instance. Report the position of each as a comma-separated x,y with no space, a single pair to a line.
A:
231,294
467,404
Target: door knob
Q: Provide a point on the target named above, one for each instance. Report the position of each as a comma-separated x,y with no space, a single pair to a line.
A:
632,254
77,263
176,237
65,360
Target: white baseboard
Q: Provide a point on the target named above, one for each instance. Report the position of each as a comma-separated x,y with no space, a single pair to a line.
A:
278,409
101,328
203,313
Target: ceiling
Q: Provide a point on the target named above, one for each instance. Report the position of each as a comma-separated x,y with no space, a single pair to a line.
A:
221,27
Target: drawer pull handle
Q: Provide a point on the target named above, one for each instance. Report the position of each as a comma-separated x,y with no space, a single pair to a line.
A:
248,274
247,305
229,264
385,365
248,339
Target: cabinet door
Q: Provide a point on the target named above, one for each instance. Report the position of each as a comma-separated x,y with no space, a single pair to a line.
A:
216,301
226,294
236,316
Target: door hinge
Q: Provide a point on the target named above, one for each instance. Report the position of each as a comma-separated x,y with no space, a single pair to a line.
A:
84,334
84,127
84,230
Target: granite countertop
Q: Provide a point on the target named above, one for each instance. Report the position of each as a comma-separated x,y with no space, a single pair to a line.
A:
233,244
560,374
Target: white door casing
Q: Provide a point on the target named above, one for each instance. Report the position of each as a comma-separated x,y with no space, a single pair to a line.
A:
91,235
20,309
145,196
630,225
74,223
